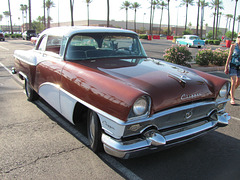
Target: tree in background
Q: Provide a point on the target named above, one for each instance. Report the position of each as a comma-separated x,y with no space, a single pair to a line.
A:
198,12
30,14
187,3
228,16
234,18
108,11
71,10
49,5
126,5
44,13
161,5
88,2
135,6
168,19
38,25
10,17
203,4
23,8
238,19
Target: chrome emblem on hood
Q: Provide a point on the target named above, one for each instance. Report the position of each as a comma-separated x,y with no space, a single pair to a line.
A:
190,96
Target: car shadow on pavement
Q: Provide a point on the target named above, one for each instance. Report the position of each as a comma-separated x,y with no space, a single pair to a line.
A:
213,156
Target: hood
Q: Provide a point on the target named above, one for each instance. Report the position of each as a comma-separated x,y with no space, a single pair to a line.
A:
167,84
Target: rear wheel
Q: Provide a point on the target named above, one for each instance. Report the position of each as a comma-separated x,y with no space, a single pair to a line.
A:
94,131
31,94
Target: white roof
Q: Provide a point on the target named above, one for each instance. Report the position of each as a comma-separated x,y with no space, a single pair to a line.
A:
70,30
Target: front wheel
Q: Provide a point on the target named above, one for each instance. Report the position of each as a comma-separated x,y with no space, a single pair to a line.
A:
31,94
94,131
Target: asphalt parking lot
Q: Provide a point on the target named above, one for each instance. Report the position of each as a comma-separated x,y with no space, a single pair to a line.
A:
37,143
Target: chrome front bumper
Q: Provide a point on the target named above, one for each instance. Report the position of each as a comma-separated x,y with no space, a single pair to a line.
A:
153,140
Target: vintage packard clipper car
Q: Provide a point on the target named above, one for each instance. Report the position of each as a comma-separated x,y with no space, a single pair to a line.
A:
190,41
133,104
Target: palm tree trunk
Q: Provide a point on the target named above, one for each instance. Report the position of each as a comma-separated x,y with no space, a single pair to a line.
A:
217,19
88,14
186,17
160,24
30,14
135,17
126,18
214,22
198,17
150,27
234,18
71,9
226,25
168,19
107,13
10,16
44,14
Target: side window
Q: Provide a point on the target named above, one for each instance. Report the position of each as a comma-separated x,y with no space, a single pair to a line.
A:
53,44
42,45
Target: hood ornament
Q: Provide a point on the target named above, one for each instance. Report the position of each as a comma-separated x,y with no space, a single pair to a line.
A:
180,78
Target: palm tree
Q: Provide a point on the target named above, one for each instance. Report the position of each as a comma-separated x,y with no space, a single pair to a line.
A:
161,5
187,2
49,5
23,9
9,8
44,13
238,19
198,3
126,5
168,19
203,5
71,10
229,16
154,4
219,6
135,6
108,11
150,25
30,14
7,15
88,2
234,18
216,5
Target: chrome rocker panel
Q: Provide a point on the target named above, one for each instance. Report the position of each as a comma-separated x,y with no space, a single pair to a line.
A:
153,140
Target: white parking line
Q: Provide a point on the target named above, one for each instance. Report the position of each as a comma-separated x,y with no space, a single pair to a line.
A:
235,118
4,48
6,68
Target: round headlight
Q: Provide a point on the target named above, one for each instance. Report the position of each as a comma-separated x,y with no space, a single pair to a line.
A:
224,91
140,107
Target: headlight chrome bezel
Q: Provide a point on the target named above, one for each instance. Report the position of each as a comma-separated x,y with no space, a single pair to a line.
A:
224,91
141,108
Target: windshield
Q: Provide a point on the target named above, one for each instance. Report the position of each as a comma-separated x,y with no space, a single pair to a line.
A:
103,45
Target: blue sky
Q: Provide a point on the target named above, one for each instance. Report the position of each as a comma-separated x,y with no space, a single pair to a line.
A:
98,11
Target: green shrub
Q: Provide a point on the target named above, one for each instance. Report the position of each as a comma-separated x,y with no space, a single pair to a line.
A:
203,57
217,57
206,41
13,35
7,35
210,42
143,36
178,55
216,42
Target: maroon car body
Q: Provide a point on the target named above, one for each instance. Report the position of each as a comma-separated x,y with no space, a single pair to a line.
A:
133,104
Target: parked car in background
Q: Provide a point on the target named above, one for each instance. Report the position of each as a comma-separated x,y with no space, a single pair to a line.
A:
2,36
131,104
28,34
190,41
